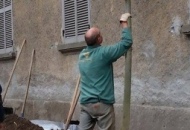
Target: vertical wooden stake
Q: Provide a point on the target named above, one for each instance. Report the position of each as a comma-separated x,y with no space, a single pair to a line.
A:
127,89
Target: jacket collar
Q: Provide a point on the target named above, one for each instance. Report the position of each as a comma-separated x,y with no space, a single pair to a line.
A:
94,46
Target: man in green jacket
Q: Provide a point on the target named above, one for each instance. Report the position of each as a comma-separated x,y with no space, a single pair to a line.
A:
97,80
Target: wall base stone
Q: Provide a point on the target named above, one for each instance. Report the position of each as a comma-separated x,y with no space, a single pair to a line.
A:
142,117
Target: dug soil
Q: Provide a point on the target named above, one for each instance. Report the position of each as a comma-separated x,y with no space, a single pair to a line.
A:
13,122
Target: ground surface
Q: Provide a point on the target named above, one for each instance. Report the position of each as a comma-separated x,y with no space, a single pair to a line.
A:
13,122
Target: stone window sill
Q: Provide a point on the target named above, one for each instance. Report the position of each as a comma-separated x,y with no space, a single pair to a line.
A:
8,56
73,47
185,29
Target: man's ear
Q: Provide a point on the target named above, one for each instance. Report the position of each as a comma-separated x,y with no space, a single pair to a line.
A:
99,39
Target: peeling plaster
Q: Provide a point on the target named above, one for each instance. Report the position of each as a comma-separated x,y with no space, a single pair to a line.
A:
154,91
148,49
176,25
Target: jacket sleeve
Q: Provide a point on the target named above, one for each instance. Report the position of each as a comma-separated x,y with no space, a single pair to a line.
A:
113,52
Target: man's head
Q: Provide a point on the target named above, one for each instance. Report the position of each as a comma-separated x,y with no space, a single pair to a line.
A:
93,36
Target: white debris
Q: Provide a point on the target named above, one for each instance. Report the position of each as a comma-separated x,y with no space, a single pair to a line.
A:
51,125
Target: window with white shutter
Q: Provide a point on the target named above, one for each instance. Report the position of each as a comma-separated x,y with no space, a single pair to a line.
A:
6,33
76,20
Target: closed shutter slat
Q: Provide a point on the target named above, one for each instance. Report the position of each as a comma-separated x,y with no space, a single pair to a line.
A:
70,26
83,26
70,29
70,20
82,17
82,8
7,3
69,9
2,42
8,29
1,4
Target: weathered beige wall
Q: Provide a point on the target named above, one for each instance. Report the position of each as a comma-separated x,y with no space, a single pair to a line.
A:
161,53
160,68
54,74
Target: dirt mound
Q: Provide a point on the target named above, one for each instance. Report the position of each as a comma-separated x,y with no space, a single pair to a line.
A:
13,122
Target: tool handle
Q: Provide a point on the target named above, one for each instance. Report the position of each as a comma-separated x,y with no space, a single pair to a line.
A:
28,84
8,83
73,104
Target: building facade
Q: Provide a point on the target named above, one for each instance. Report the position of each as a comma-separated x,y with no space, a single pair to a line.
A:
55,28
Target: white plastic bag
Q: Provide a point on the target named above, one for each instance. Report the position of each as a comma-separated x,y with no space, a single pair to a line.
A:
51,125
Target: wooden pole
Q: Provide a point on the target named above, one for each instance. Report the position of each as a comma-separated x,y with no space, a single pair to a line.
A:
73,104
127,89
8,83
28,84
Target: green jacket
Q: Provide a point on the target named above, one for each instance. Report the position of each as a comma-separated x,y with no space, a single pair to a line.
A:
96,69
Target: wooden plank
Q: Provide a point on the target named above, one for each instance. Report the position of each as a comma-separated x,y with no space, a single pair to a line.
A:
28,84
8,83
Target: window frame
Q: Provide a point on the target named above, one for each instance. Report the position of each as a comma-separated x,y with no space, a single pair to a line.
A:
76,38
7,51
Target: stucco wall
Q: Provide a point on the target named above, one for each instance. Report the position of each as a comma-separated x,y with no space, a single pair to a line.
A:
161,53
160,67
54,74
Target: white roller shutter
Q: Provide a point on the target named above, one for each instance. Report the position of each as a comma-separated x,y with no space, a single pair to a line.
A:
6,36
76,20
